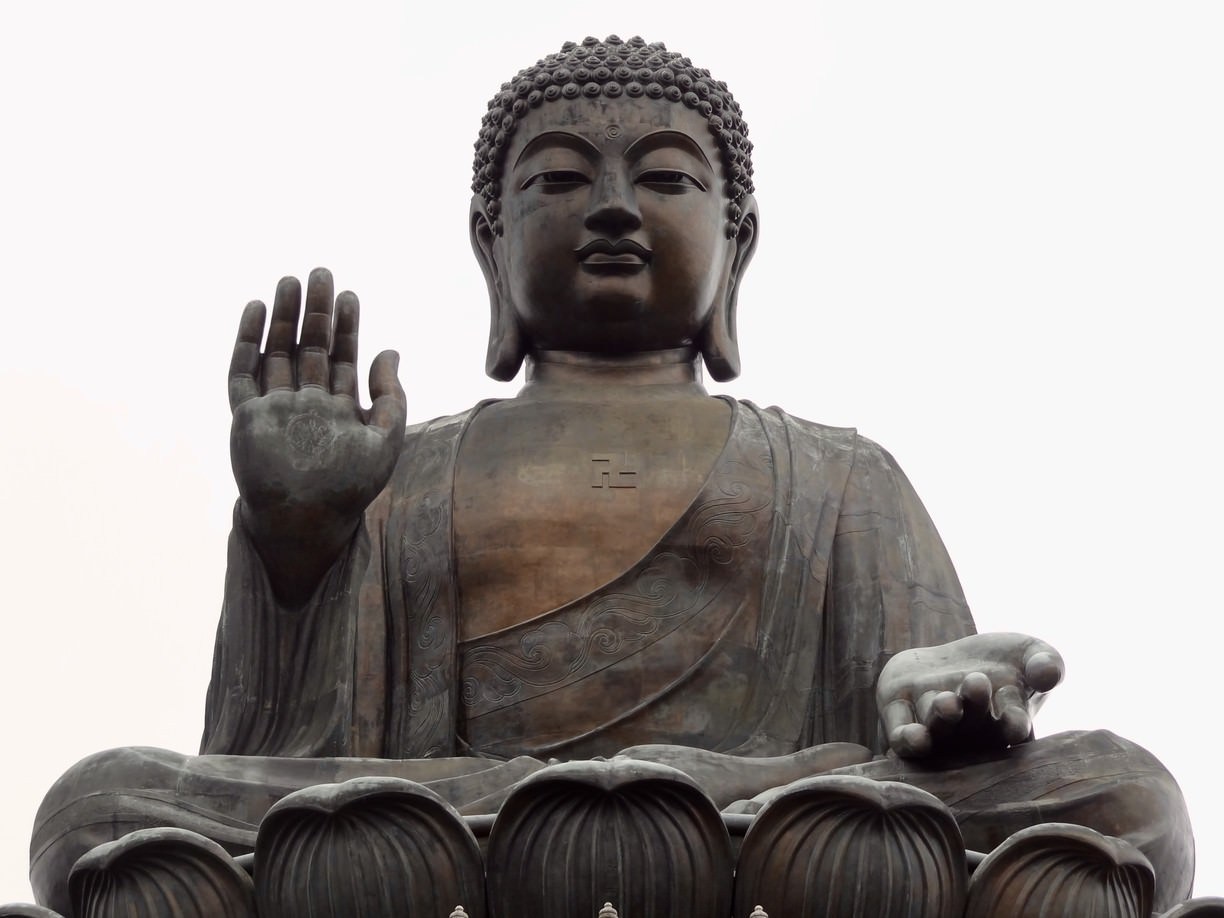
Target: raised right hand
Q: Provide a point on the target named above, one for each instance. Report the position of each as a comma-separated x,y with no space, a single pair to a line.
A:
307,458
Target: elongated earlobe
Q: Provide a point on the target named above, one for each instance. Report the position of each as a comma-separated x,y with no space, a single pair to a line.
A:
506,351
719,342
719,347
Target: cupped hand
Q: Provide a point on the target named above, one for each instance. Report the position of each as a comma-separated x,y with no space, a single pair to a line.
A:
977,693
307,458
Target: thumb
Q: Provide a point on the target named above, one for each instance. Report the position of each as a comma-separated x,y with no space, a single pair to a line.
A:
390,407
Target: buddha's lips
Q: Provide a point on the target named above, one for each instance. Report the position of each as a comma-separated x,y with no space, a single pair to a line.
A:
624,253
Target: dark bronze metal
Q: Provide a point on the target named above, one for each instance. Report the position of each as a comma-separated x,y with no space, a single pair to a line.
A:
369,846
842,845
26,910
640,836
1059,870
612,560
1212,907
153,873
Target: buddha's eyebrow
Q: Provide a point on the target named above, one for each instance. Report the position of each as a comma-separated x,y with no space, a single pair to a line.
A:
657,139
575,142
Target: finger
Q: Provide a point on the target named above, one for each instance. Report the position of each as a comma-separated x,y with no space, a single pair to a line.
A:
1011,712
939,712
277,365
390,407
1043,667
344,346
244,364
911,742
897,714
905,737
315,341
975,693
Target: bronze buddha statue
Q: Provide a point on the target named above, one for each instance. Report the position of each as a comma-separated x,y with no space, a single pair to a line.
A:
613,561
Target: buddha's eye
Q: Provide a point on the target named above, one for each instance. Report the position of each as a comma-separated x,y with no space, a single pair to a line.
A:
557,180
669,181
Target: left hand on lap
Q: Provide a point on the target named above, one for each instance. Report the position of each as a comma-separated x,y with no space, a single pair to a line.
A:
980,692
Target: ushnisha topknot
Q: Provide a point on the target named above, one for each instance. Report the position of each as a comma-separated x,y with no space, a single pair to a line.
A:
611,68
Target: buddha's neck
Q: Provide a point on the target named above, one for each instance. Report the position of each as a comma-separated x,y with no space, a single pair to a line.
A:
674,373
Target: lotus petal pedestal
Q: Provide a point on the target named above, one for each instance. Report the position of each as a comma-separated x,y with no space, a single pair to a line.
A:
154,873
850,847
1212,907
632,836
368,847
23,910
1057,870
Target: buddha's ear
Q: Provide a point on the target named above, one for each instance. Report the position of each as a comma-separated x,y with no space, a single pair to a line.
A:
719,344
506,351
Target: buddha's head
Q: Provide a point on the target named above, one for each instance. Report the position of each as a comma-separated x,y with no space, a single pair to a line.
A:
613,210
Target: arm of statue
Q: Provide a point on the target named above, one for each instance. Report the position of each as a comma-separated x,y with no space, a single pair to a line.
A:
308,460
977,693
728,778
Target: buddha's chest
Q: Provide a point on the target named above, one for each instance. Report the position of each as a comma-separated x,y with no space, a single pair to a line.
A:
553,500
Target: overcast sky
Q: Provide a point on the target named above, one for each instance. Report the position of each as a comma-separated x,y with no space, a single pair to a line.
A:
992,240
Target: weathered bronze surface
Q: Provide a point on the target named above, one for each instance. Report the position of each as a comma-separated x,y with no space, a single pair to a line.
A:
1083,873
152,873
613,561
370,846
636,834
838,845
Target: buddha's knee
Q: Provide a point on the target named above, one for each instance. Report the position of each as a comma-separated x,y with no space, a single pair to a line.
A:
1099,780
99,799
1128,793
1091,778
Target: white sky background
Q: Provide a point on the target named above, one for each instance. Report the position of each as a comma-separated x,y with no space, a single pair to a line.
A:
992,240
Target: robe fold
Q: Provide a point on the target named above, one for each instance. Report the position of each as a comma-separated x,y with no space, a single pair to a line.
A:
756,625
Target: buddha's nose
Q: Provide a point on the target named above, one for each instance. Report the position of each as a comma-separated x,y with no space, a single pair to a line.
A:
613,211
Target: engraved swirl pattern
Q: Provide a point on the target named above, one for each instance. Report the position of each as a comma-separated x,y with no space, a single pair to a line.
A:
421,626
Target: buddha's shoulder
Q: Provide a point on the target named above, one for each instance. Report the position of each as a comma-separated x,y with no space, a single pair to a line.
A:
861,451
445,427
806,435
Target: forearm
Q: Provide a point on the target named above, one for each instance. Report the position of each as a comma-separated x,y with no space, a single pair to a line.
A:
283,677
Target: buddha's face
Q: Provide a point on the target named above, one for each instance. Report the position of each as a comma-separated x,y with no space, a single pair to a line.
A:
614,213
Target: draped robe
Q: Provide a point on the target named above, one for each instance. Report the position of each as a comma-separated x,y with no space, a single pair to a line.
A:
756,625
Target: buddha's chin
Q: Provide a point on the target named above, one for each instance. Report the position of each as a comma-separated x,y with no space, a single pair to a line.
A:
611,308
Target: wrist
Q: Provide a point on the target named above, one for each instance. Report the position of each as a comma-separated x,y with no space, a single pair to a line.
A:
296,553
